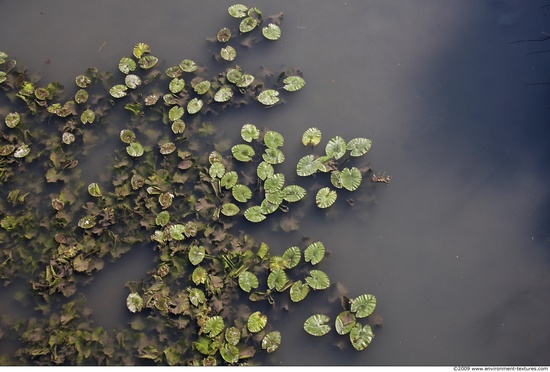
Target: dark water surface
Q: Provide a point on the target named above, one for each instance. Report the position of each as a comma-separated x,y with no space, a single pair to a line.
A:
457,247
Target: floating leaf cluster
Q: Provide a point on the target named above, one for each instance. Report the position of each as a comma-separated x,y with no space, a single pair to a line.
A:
164,188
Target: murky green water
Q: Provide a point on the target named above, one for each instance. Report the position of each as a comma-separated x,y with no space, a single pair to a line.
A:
456,247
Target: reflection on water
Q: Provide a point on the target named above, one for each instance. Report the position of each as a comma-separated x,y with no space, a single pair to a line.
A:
455,248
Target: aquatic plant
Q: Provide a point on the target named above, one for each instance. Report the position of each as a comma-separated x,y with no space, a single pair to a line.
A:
166,188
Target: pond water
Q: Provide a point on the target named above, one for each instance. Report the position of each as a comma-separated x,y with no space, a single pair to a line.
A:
457,247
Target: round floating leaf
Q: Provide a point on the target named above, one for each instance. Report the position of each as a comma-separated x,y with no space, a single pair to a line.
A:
196,296
87,117
162,218
196,254
268,207
194,106
12,119
224,35
245,80
82,81
81,96
214,326
87,222
147,62
363,305
229,353
307,166
228,53
293,193
22,151
118,91
202,87
248,24
199,275
273,156
223,95
336,147
271,32
241,193
269,97
234,75
344,322
273,139
67,138
140,49
176,85
229,179
214,157
264,170
317,279
229,209
135,149
314,253
178,126
298,291
126,65
176,232
256,322
216,170
275,182
351,178
188,65
277,279
232,335
41,94
137,181
325,197
250,132
134,302
336,179
167,148
243,152
150,100
6,150
292,257
274,196
165,199
175,113
132,81
293,83
94,190
254,214
311,136
316,325
271,341
359,146
238,10
127,136
361,337
248,281
174,71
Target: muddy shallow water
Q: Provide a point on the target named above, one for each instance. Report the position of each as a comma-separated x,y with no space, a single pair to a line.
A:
453,94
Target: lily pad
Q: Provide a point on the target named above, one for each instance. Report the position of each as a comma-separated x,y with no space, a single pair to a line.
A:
194,105
147,62
238,10
229,353
223,94
298,291
293,83
87,116
175,113
317,325
213,326
228,53
249,132
21,151
271,32
336,147
196,254
229,179
127,136
162,218
351,178
245,80
199,275
273,156
314,253
12,119
141,49
232,335
178,126
87,222
67,138
248,24
202,87
275,182
126,65
361,337
6,150
243,152
82,81
81,96
277,279
118,91
167,148
359,146
325,197
241,193
269,97
273,139
312,136
264,170
363,305
132,81
256,322
176,85
344,322
134,302
248,281
216,170
188,65
292,256
224,35
271,341
307,165
230,209
293,193
254,214
94,190
318,280
135,149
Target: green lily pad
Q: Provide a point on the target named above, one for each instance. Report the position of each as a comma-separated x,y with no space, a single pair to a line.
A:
174,71
175,113
250,132
126,65
351,178
196,254
196,296
318,280
241,193
314,253
336,179
359,146
229,179
188,65
298,291
229,353
277,279
135,149
127,136
325,197
202,87
269,97
248,24
223,35
167,148
21,151
87,116
151,99
147,62
216,170
199,275
232,335
256,322
316,325
213,326
12,119
223,94
245,81
361,337
176,232
344,322
165,199
265,170
271,32
273,156
141,49
194,105
267,207
228,53
81,96
6,150
336,147
118,91
307,165
230,209
273,139
275,182
254,214
274,196
134,302
238,10
363,305
67,138
176,85
293,83
82,81
292,256
271,341
178,126
132,81
293,193
312,136
87,222
214,157
234,74
248,281
94,190
243,152
162,218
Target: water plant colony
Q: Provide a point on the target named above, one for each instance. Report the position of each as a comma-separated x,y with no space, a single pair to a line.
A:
173,185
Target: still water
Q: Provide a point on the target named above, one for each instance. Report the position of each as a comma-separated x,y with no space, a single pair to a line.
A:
456,248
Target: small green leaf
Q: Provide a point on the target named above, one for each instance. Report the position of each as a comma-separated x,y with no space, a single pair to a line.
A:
256,322
293,83
359,146
147,62
336,147
216,170
132,81
87,222
229,179
361,337
229,353
232,335
140,49
12,119
223,94
307,166
228,53
271,341
224,35
134,302
94,190
196,254
243,152
241,193
127,136
250,132
21,151
351,178
314,253
175,113
254,214
248,281
126,65
277,279
292,256
325,197
135,149
238,10
87,116
176,85
230,209
194,105
344,322
248,24
118,91
214,326
188,65
275,182
317,279
298,291
363,305
269,97
316,325
273,156
162,218
273,139
202,87
264,170
293,193
271,32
